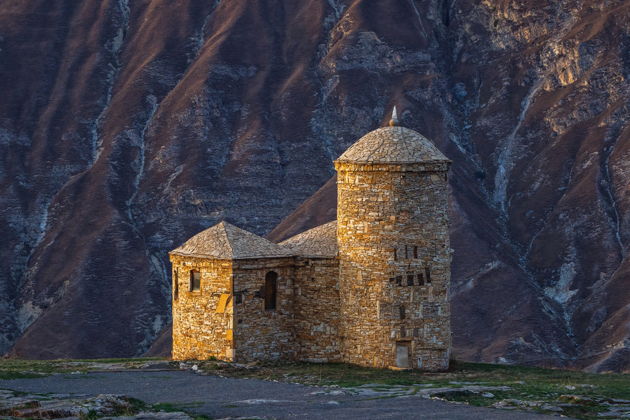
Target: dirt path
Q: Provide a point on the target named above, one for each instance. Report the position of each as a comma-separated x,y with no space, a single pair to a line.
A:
219,397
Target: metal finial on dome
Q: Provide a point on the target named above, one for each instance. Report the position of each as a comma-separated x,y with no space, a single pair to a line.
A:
394,121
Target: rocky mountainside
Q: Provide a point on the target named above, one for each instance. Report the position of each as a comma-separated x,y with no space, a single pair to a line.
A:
126,126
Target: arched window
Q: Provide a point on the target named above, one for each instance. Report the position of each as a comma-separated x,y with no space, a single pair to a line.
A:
271,290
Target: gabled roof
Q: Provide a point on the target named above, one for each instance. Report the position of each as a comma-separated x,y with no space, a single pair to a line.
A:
320,241
226,242
392,145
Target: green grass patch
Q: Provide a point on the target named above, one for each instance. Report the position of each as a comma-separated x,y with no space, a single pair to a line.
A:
19,375
19,368
174,407
116,360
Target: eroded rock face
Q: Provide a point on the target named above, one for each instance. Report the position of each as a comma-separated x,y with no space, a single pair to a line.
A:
126,127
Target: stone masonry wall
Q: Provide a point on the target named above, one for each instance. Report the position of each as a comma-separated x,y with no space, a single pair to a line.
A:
198,331
304,325
317,309
264,334
393,238
383,302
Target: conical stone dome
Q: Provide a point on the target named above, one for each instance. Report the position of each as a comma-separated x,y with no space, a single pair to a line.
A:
392,145
227,242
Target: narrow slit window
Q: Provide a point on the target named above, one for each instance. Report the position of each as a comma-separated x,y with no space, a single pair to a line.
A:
195,280
410,279
427,274
176,284
406,253
271,290
395,254
415,252
420,279
402,311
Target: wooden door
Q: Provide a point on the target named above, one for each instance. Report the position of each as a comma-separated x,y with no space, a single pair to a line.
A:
402,355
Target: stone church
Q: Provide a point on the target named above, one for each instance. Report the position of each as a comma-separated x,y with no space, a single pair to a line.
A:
371,288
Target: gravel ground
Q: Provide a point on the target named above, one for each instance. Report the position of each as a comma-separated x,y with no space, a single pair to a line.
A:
228,397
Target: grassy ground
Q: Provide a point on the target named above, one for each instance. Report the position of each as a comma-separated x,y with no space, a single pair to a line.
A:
570,393
552,391
17,368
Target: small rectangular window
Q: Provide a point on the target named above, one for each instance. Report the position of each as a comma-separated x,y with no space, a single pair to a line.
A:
195,280
416,332
427,274
402,311
415,252
398,280
406,254
403,331
410,279
420,279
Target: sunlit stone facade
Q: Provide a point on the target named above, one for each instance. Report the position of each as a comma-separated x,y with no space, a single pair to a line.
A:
370,289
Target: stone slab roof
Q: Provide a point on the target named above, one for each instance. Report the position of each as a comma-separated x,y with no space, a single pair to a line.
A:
225,241
393,145
320,242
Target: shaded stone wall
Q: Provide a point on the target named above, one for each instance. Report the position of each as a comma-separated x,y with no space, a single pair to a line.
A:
264,334
393,234
198,331
317,309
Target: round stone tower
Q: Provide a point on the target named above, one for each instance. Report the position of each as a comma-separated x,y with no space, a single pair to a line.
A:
394,251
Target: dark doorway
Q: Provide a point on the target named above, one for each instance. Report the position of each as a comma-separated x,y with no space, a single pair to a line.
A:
271,290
